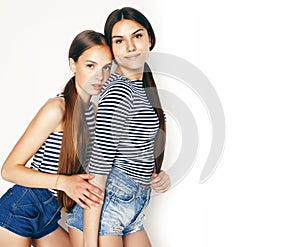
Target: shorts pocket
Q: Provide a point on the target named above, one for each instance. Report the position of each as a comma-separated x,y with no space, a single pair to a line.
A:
27,215
119,192
51,204
48,198
29,211
26,207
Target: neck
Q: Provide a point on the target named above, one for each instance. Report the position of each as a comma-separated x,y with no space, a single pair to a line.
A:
83,96
131,74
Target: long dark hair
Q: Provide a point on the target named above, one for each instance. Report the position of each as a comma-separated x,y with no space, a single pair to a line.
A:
148,80
75,139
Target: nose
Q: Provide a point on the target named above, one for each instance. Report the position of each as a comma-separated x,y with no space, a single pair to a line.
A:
99,75
131,46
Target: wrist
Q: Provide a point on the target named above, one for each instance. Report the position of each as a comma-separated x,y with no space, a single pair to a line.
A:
59,182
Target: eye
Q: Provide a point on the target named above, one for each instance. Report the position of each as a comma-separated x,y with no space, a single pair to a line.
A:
90,65
107,68
138,36
118,41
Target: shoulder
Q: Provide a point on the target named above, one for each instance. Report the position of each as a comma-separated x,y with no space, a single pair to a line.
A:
49,118
117,81
118,85
54,108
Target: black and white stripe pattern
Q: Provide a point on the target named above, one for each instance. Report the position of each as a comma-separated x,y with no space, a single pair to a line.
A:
46,159
126,127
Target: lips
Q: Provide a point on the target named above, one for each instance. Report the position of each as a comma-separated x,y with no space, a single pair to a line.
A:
132,57
97,86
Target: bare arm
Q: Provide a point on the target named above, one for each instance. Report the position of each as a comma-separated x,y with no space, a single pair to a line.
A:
91,217
47,120
110,119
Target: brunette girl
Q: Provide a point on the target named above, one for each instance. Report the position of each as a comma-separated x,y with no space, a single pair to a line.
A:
58,137
129,139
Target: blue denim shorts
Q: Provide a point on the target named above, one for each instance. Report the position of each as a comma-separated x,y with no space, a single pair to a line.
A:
29,212
123,207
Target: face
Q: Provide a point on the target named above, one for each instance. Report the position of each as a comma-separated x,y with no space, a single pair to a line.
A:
130,45
92,69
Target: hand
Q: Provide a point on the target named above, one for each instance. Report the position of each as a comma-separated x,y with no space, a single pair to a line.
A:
80,190
160,182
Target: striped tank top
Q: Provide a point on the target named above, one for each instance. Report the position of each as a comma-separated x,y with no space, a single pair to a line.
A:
46,159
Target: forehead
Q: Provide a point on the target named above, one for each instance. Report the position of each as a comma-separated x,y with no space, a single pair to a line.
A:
97,53
126,27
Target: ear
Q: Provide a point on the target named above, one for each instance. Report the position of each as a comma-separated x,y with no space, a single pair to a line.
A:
72,65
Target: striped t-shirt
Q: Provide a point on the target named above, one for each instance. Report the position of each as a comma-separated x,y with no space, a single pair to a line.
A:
46,159
126,128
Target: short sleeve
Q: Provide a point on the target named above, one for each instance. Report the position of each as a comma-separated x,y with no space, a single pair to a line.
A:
113,110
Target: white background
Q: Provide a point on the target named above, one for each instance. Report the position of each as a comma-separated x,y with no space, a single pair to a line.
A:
250,52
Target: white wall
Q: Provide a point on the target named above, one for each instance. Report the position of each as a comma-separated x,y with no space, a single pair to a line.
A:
250,52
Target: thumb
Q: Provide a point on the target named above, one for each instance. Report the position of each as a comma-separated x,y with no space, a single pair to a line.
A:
154,175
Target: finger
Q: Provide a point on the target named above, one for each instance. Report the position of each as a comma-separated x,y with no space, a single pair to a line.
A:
95,190
164,186
161,179
86,176
158,177
162,189
82,204
89,202
93,198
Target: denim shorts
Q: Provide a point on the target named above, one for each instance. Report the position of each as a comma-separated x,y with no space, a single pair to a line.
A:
123,207
29,212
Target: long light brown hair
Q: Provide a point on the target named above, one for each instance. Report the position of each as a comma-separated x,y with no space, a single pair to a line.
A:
148,80
76,135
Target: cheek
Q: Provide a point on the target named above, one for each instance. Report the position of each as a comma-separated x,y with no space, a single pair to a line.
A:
145,46
106,76
117,51
81,78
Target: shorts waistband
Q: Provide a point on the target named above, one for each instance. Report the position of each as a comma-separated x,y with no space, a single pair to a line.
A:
126,181
37,193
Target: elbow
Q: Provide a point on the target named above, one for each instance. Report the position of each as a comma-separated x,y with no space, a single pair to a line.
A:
5,173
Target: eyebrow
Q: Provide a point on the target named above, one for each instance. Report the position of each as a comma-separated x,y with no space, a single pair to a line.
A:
90,61
120,36
108,64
